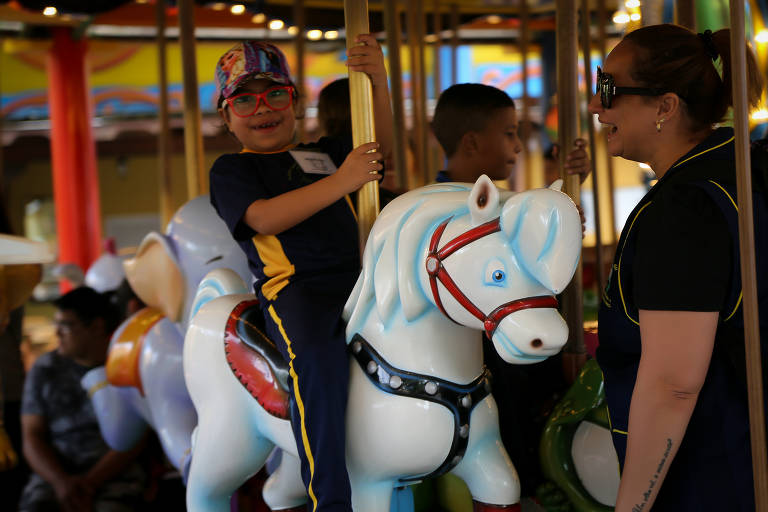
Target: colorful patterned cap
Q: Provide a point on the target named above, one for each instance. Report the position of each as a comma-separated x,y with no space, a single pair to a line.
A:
249,60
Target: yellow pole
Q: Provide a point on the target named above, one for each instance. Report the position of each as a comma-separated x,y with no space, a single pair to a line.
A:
163,136
197,180
568,123
747,249
586,46
602,20
361,103
418,89
394,35
525,37
454,43
437,152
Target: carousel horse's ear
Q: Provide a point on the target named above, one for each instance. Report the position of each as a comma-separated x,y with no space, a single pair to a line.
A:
154,274
545,229
557,185
483,200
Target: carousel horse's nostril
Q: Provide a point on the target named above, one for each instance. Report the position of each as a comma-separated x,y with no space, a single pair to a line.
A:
482,200
537,343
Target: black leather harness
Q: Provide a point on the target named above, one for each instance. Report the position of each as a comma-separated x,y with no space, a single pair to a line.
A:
460,399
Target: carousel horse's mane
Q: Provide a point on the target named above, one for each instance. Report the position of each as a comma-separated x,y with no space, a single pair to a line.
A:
389,277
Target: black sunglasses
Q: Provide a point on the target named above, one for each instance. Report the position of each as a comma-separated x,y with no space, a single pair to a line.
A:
606,88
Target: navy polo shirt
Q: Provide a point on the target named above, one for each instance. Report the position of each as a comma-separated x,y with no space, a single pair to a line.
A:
324,244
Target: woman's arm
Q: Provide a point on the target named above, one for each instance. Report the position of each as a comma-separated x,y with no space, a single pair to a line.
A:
676,351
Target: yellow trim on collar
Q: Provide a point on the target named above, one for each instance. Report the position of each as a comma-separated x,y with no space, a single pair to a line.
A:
282,150
705,151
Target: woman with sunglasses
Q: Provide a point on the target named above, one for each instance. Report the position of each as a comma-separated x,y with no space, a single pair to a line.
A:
670,322
287,206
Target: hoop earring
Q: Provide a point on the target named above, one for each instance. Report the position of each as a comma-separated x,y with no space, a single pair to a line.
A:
658,124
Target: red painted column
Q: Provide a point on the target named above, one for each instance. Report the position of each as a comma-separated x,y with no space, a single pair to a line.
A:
73,152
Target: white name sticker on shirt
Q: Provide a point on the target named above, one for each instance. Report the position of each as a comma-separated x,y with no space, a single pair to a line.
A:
314,163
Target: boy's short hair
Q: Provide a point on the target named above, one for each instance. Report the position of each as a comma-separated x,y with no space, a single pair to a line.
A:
333,110
88,304
465,108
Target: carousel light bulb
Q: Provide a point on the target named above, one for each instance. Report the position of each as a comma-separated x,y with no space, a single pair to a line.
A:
331,34
631,4
259,18
237,9
50,11
760,115
620,18
430,38
314,35
493,19
762,36
219,6
635,16
276,24
293,30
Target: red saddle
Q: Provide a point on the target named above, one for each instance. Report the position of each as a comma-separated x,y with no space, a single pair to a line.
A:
255,360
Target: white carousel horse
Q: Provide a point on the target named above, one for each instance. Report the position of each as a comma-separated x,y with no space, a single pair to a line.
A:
442,264
142,384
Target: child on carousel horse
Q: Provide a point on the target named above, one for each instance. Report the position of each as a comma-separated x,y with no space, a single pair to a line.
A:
287,206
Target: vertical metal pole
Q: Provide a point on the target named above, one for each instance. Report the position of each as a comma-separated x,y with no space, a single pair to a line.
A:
300,22
586,45
747,249
163,135
361,104
437,152
525,37
685,13
602,20
418,88
568,123
394,35
197,180
454,43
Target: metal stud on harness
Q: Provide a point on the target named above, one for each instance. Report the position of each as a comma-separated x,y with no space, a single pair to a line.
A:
437,272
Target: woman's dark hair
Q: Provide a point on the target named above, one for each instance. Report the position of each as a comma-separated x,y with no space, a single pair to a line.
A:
333,110
675,59
464,108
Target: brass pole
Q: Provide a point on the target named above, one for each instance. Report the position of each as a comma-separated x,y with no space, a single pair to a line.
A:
525,37
418,89
197,180
164,173
747,249
602,20
299,45
685,13
361,104
454,44
394,35
586,48
437,152
568,124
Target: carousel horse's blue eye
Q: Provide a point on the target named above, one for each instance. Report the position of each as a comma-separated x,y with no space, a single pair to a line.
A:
498,276
495,273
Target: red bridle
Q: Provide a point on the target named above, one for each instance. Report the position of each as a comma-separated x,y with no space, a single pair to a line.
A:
437,272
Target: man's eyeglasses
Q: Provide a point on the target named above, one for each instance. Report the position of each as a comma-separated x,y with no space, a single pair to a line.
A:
606,88
246,104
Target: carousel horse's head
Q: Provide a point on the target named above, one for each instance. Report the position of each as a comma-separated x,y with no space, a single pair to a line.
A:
20,270
166,270
487,259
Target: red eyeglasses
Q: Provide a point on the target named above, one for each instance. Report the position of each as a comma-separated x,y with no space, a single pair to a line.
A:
246,104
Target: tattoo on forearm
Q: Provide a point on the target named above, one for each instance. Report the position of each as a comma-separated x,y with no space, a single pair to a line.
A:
638,507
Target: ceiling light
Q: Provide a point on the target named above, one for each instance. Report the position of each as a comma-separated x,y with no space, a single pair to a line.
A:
493,19
219,6
293,30
49,11
621,18
430,38
276,24
762,36
314,35
237,9
331,34
259,18
635,16
631,4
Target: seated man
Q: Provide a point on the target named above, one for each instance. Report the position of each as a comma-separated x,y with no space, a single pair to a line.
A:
73,467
